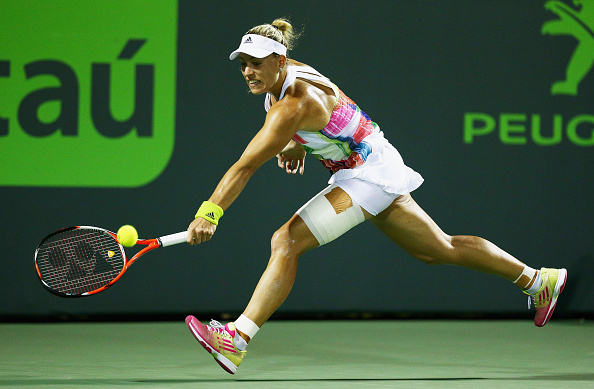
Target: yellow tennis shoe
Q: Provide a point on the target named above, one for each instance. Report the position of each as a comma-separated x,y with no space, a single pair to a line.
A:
217,339
545,299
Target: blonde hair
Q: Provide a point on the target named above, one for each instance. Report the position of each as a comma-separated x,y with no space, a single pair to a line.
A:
279,30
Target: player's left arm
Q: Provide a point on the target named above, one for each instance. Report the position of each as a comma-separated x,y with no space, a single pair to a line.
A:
292,158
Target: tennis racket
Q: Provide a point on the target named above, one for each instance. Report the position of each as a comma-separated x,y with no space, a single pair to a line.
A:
82,260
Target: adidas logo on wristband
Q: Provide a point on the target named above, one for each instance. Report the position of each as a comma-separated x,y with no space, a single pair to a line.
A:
210,212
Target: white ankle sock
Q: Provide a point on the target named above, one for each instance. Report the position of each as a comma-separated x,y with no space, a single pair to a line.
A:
245,325
535,279
536,284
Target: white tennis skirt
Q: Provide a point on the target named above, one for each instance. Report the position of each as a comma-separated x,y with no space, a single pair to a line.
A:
381,179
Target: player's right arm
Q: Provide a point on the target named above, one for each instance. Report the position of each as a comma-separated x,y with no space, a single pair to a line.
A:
281,124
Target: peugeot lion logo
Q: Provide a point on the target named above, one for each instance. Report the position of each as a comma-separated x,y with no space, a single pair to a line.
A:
579,23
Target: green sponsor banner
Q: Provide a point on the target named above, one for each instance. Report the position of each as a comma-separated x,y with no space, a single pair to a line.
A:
87,92
564,18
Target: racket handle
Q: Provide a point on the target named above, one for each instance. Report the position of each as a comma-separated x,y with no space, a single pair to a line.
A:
172,239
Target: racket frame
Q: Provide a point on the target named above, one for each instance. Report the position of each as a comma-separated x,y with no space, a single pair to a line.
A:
150,244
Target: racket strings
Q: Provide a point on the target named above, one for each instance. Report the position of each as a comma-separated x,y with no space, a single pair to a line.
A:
79,261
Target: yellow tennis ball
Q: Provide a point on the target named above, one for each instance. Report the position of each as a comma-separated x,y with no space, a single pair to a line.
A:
127,236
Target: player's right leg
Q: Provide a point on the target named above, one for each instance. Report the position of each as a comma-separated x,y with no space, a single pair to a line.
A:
220,341
228,344
325,217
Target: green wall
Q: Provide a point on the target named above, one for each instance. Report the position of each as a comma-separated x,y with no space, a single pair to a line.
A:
466,90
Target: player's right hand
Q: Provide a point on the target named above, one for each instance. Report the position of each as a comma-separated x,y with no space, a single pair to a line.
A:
200,231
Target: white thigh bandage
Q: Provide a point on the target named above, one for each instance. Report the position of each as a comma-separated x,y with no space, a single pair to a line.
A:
323,220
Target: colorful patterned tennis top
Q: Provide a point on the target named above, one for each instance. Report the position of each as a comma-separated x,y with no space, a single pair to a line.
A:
341,144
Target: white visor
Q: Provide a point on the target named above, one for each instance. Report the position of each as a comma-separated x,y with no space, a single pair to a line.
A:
258,46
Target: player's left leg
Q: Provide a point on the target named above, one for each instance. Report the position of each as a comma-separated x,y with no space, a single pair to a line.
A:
405,223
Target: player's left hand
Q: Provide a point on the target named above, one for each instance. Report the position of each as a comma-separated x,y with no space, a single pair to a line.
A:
292,158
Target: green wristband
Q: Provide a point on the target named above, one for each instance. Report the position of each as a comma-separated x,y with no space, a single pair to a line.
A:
210,212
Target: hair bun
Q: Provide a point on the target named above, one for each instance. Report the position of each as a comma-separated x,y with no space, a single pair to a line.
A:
280,30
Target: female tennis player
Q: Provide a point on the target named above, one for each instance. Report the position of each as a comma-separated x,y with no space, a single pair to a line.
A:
306,112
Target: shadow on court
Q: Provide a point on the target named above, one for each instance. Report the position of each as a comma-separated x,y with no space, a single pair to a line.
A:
286,382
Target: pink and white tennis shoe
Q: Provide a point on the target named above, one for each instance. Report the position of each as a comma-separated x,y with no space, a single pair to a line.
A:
217,339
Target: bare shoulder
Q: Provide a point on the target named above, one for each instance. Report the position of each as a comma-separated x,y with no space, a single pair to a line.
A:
313,100
310,104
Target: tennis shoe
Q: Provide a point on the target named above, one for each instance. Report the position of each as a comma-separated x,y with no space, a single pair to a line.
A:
217,339
545,299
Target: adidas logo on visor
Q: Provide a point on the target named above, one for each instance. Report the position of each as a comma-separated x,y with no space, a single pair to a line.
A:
248,40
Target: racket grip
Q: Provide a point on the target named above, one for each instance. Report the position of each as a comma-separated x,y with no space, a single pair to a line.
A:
169,240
